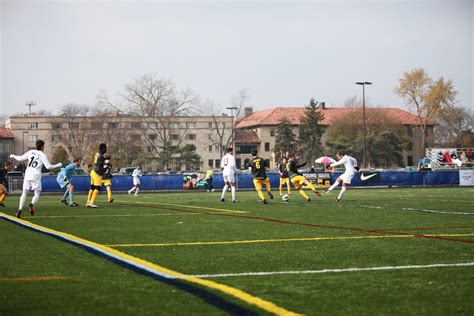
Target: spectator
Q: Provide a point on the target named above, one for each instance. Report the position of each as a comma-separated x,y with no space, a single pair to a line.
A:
208,178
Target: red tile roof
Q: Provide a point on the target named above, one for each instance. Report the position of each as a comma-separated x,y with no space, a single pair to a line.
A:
6,133
274,115
246,137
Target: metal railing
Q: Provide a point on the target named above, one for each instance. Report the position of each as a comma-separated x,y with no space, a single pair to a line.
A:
449,158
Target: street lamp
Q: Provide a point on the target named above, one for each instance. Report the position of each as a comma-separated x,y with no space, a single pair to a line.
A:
232,108
363,83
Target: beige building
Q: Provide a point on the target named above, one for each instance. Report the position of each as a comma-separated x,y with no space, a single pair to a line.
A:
131,135
264,124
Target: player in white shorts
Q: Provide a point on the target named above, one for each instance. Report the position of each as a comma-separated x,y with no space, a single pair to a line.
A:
137,173
228,173
350,164
32,181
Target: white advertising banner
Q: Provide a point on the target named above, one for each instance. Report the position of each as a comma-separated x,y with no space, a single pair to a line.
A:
466,177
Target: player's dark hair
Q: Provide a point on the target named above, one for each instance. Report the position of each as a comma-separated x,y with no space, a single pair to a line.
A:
102,148
229,149
339,153
8,163
76,159
291,156
254,152
39,144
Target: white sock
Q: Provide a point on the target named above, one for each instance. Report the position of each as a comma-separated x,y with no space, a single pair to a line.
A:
23,199
136,191
36,197
224,190
343,190
233,193
131,190
333,186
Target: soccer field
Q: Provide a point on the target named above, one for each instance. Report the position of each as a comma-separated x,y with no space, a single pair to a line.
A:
379,251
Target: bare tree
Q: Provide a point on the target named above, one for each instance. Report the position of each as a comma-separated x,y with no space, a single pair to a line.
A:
156,105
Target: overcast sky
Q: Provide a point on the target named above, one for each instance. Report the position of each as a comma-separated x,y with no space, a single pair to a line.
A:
282,52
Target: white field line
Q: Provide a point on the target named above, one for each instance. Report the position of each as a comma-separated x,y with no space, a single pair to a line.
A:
410,267
413,209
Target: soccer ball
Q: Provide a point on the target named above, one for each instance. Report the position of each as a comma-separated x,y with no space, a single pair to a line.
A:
285,197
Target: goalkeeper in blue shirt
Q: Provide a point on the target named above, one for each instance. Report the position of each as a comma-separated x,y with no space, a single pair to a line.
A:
63,180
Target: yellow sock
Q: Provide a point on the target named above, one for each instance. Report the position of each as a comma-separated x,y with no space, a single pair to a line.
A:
281,189
311,186
261,196
109,194
89,196
303,194
2,197
94,195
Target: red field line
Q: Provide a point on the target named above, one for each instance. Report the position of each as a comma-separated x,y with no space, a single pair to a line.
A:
427,228
273,220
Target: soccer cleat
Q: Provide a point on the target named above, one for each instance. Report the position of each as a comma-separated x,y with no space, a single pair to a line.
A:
32,209
317,193
213,190
64,201
309,200
270,194
338,199
289,193
110,202
327,191
92,205
281,193
264,202
18,214
73,204
233,201
222,200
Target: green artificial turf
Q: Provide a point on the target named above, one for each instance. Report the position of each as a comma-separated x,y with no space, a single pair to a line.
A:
369,228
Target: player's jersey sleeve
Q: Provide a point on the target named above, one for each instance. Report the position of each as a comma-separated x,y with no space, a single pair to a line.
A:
342,161
46,162
22,157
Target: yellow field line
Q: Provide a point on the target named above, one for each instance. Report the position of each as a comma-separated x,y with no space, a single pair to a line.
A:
187,206
154,268
110,215
35,278
278,240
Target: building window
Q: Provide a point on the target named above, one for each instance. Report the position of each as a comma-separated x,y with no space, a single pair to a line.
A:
151,125
267,146
410,160
218,163
272,131
174,137
409,131
152,149
217,148
210,125
135,125
96,125
410,146
135,137
113,125
56,138
190,125
32,125
32,138
210,163
267,161
210,137
55,125
191,136
152,136
73,125
174,125
210,148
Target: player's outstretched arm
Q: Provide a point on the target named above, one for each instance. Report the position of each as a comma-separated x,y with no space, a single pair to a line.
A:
20,158
48,165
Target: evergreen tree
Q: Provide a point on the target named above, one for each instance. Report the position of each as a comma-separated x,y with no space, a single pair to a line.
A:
188,157
309,141
285,140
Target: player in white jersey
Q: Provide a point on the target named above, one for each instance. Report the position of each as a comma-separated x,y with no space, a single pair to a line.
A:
32,181
350,164
228,173
137,173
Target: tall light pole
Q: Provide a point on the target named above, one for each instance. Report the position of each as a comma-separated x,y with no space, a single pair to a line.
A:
232,108
363,83
29,104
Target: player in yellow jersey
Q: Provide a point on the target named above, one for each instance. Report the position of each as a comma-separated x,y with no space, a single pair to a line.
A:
260,176
96,175
107,178
297,178
284,177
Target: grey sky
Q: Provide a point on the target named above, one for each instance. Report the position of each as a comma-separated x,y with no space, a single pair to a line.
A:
282,52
